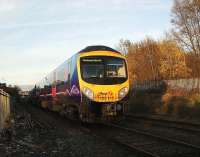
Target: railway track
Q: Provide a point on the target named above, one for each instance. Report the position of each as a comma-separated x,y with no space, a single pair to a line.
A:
139,142
45,125
42,123
145,143
140,148
31,121
168,123
140,151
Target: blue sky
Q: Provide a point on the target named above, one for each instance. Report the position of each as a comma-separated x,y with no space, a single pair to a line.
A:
38,35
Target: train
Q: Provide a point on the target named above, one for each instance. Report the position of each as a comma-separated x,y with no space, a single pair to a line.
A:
92,85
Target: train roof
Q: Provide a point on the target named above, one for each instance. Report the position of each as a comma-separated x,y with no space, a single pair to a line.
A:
98,48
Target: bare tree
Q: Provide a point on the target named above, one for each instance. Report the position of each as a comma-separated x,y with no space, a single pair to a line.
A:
124,46
186,22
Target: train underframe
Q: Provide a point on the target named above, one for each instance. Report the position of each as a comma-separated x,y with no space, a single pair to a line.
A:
87,111
90,111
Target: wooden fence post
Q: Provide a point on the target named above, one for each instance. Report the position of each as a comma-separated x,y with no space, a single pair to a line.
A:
4,107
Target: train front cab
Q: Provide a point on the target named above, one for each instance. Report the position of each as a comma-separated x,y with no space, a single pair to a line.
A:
104,83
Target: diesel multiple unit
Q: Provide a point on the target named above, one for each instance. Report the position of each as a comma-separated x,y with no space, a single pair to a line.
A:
92,85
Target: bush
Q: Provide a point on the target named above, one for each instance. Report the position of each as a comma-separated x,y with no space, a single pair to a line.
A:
182,106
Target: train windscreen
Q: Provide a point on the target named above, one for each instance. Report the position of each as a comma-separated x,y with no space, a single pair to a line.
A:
103,70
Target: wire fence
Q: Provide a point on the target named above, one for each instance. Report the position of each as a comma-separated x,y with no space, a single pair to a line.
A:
187,85
4,108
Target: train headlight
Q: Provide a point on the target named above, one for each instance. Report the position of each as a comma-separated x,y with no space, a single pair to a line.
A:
123,92
88,92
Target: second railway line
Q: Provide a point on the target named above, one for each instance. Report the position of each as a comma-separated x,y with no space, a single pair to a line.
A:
161,121
144,142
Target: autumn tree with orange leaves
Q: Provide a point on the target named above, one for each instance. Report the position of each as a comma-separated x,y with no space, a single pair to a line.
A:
173,61
155,60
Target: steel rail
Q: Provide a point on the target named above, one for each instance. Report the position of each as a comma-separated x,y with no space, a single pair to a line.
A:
164,121
132,147
173,141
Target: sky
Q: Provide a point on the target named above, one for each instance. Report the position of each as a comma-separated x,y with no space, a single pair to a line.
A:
38,35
